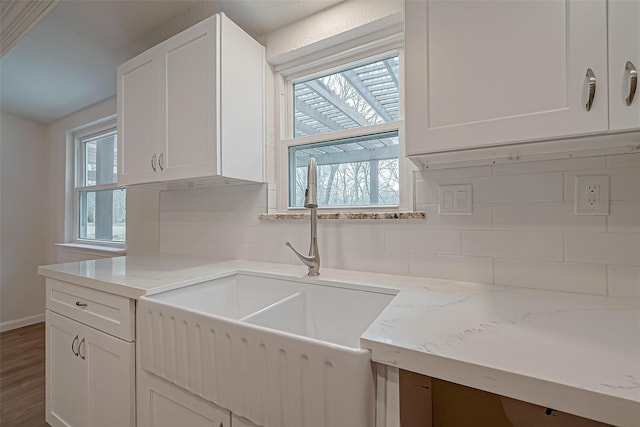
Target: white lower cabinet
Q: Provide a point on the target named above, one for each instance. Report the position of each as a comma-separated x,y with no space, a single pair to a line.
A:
89,376
161,404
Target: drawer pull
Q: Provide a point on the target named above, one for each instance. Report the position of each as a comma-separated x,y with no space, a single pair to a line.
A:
81,304
73,344
633,82
81,347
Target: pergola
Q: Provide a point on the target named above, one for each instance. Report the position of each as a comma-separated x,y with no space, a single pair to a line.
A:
319,109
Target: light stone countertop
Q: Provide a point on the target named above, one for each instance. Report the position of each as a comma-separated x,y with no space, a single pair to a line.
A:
570,352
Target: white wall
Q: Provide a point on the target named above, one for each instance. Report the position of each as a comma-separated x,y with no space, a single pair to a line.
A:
22,227
344,21
142,204
522,232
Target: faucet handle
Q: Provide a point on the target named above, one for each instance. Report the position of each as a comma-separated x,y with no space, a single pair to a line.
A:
305,259
311,261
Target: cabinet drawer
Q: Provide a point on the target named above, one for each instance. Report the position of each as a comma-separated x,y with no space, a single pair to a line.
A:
106,312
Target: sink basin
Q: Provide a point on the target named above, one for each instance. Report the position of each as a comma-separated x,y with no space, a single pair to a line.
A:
279,351
235,296
335,315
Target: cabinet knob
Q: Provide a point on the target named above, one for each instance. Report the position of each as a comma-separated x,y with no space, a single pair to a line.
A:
73,343
81,304
592,88
160,161
633,82
153,162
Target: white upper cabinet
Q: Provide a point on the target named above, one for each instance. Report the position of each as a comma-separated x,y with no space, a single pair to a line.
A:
193,107
624,63
484,73
138,83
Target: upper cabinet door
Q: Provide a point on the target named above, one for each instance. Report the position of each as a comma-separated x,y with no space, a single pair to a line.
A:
482,73
624,63
138,82
188,102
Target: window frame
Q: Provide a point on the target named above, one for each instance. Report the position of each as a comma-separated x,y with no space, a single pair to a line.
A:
78,170
303,70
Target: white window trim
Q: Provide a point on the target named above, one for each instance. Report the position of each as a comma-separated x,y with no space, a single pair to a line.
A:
288,74
78,172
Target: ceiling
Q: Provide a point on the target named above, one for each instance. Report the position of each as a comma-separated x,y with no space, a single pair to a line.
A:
68,59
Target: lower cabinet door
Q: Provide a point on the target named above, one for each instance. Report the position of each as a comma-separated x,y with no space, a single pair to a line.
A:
161,404
67,397
111,379
90,376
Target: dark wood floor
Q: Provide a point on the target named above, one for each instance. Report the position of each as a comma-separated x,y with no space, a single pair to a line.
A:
22,361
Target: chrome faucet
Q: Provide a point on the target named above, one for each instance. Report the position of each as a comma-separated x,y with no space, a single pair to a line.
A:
310,201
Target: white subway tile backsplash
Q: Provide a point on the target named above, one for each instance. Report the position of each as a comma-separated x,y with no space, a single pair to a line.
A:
522,231
549,166
416,239
248,217
624,161
269,252
180,231
544,187
465,268
557,276
375,260
481,219
513,244
624,216
544,217
624,281
426,192
203,248
333,234
604,248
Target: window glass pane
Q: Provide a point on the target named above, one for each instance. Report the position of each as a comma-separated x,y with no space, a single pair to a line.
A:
351,172
360,96
100,159
102,215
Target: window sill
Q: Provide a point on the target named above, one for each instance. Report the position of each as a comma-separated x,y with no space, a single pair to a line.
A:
416,215
93,249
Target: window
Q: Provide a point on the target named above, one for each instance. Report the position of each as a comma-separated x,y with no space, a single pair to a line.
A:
348,119
100,205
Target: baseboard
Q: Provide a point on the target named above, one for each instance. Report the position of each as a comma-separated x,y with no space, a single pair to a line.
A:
19,323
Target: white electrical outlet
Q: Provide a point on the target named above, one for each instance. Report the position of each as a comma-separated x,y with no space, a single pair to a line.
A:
456,199
592,195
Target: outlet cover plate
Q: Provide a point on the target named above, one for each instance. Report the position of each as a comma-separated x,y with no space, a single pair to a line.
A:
456,199
592,195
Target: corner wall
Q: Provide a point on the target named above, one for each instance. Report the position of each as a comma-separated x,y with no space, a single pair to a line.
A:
23,216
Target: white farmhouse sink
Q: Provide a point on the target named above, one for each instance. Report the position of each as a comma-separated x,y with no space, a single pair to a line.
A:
278,351
235,296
